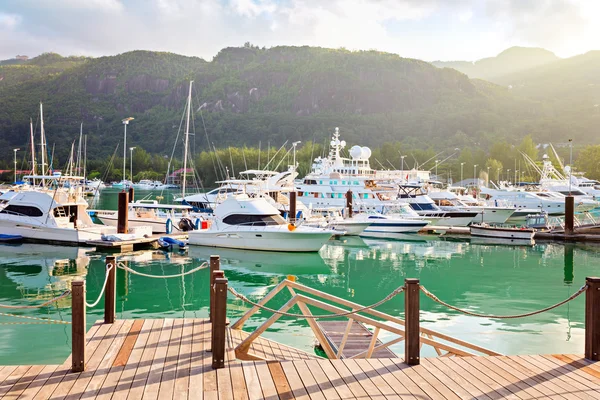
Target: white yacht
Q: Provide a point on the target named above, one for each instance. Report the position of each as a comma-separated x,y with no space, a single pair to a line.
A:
447,200
242,222
162,218
147,184
49,214
525,200
332,218
389,227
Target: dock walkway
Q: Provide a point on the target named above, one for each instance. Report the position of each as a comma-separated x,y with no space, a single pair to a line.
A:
168,359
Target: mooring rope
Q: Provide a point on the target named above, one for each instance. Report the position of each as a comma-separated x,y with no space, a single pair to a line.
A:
342,314
43,320
474,314
110,267
126,268
54,300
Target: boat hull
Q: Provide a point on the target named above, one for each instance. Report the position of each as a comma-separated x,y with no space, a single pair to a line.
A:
48,234
502,233
288,241
382,229
350,228
110,218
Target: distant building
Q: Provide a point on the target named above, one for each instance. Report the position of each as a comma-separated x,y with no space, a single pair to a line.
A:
24,58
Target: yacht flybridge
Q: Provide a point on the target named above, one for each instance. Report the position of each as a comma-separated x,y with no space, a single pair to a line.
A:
52,213
242,222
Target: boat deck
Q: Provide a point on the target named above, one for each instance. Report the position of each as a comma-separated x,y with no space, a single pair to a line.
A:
168,359
135,244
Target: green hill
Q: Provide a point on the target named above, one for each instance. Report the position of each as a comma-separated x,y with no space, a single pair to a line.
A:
246,95
510,61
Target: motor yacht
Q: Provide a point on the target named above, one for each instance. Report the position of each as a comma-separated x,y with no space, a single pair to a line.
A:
332,218
251,223
50,214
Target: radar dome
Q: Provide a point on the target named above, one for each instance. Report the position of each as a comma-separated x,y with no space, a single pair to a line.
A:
355,152
366,152
343,143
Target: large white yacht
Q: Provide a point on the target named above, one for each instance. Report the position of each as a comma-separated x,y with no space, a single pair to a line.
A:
332,177
49,214
528,200
251,223
447,200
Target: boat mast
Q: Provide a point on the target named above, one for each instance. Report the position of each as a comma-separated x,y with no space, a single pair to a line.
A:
187,136
84,158
79,159
32,149
43,143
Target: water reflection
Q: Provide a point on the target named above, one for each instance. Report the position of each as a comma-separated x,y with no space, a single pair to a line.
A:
488,278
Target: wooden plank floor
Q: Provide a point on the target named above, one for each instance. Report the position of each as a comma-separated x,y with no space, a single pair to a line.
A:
357,342
167,359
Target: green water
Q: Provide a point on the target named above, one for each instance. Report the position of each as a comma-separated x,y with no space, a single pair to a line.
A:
487,278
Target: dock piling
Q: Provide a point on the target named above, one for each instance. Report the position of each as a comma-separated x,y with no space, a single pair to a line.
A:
110,293
215,265
131,194
292,216
569,214
412,345
123,212
78,327
592,319
349,202
219,322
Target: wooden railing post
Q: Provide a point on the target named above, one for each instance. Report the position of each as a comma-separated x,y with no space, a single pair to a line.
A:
411,316
215,265
292,216
592,319
110,293
78,326
122,212
218,324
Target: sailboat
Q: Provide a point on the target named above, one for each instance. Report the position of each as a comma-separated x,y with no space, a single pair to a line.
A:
163,218
50,209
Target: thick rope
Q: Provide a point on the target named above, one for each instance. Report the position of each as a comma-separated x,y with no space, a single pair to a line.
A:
385,299
126,268
54,300
43,320
474,314
110,267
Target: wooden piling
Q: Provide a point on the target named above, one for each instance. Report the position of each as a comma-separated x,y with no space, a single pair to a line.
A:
411,315
110,293
569,214
592,319
349,202
131,194
214,265
292,216
123,212
218,324
78,327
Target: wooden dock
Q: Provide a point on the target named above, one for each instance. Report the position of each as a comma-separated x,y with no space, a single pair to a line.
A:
358,339
131,245
168,359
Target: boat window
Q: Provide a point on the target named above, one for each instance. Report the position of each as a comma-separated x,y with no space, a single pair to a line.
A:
422,206
22,210
253,219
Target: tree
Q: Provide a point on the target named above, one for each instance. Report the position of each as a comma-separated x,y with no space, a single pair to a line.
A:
528,147
587,161
495,167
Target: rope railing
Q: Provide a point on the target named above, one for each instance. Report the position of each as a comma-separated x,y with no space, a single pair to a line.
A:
133,271
491,316
110,267
390,296
38,319
44,304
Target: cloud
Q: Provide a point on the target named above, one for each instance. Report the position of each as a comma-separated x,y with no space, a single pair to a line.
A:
9,21
427,29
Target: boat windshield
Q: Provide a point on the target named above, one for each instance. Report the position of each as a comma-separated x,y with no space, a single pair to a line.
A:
254,220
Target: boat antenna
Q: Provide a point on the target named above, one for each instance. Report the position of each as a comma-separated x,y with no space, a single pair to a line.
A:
258,167
244,155
43,143
85,157
275,155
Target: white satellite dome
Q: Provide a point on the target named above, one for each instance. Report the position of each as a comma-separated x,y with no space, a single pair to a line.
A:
356,152
343,143
366,152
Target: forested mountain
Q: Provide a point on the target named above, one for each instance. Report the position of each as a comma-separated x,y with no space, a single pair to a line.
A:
246,95
510,61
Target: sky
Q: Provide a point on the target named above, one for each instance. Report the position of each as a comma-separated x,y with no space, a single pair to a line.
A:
424,29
